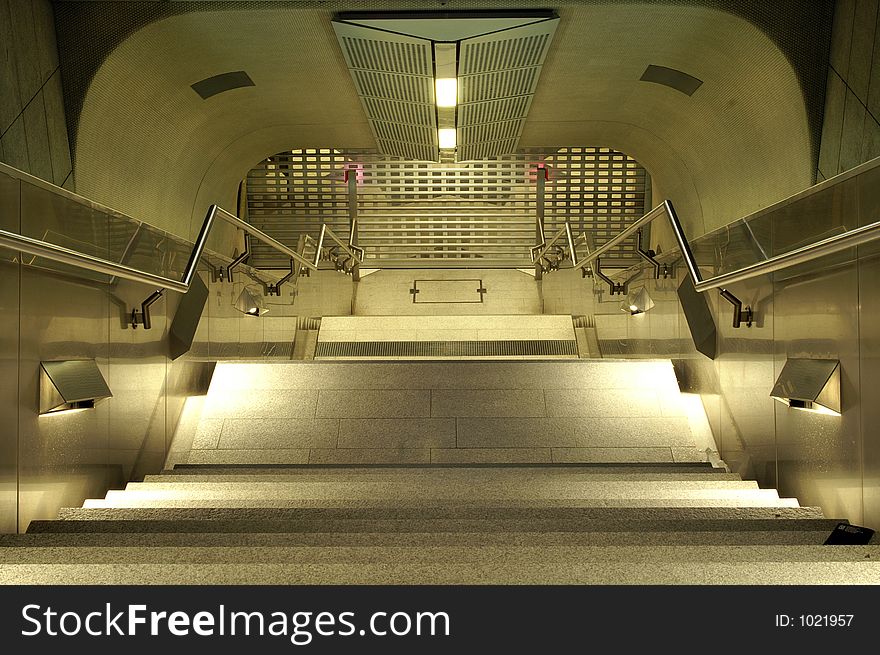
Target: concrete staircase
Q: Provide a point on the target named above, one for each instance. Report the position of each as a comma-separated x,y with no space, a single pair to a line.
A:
587,522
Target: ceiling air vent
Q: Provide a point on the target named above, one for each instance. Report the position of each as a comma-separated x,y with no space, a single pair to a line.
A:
394,77
498,74
672,78
211,86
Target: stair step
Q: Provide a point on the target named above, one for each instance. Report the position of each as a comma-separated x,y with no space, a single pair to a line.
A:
319,524
441,556
182,477
536,571
446,484
763,500
480,537
589,467
460,512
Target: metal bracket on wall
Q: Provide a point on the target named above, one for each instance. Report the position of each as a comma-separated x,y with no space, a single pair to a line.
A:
615,287
275,289
143,317
241,258
649,255
739,314
218,274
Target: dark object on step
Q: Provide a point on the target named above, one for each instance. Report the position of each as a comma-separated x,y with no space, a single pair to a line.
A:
849,535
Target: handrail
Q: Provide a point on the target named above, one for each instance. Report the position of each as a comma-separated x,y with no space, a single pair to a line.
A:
259,235
802,255
64,255
627,232
547,245
31,246
346,248
848,239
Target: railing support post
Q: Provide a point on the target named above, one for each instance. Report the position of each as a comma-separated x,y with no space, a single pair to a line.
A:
739,314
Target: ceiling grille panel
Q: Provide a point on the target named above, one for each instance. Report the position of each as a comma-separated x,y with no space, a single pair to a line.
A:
494,110
472,151
394,87
404,133
501,84
491,132
408,150
498,74
394,77
389,56
402,112
487,56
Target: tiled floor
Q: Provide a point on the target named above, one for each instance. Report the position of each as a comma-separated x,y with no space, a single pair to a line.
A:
445,412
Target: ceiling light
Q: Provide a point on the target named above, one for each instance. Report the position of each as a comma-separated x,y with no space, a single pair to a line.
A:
447,91
447,137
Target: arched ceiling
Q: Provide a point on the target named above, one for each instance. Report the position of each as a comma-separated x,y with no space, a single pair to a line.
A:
146,143
739,142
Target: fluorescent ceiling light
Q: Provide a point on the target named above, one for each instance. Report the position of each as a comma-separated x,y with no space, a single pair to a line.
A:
447,137
447,91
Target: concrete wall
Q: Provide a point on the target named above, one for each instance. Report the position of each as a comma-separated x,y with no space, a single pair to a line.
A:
851,129
33,131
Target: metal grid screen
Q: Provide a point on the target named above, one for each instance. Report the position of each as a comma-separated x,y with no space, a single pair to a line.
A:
416,213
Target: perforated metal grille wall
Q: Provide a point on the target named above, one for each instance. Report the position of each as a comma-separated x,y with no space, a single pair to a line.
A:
437,214
599,191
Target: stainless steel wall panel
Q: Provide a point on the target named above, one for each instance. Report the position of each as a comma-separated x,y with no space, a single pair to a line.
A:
869,370
745,370
137,377
9,317
819,456
62,458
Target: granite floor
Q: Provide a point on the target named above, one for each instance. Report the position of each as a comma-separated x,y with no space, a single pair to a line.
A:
443,413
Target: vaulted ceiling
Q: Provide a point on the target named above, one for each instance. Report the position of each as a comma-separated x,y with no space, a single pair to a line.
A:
147,143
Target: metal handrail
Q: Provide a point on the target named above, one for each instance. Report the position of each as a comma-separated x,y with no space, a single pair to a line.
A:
258,234
31,246
848,239
545,247
627,232
346,248
802,255
64,255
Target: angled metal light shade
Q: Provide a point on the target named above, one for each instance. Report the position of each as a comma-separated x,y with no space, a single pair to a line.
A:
638,302
71,385
809,384
250,304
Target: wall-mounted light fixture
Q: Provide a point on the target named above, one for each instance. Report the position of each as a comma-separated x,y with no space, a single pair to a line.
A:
637,302
71,385
809,384
250,304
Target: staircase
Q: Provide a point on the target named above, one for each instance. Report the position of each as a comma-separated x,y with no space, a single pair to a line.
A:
440,473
